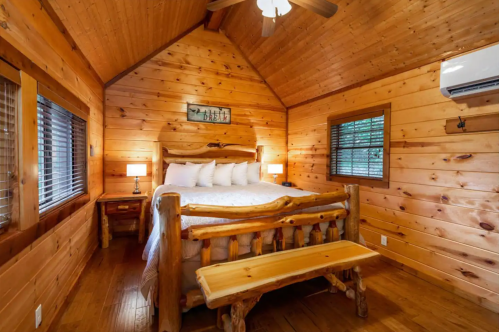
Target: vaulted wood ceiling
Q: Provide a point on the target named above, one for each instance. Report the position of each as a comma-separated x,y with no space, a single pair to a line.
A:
308,56
116,34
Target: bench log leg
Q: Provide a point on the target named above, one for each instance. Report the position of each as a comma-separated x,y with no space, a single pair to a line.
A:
360,293
239,311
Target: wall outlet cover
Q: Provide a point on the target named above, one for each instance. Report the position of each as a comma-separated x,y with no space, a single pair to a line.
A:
383,240
38,316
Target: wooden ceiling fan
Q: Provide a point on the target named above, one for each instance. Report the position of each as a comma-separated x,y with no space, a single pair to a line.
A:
273,8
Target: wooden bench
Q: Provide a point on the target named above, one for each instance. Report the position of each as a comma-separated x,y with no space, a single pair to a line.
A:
242,283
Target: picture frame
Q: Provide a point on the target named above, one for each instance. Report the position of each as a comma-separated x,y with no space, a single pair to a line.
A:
208,114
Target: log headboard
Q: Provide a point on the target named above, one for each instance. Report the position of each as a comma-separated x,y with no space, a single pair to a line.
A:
222,153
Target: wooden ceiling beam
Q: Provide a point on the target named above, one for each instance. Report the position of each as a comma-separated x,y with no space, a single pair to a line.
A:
153,54
60,26
214,20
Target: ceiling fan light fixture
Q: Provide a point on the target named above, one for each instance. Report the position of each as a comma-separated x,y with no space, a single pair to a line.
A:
269,7
283,6
264,4
270,12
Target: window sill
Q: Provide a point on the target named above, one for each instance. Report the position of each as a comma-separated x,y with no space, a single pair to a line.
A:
361,181
54,216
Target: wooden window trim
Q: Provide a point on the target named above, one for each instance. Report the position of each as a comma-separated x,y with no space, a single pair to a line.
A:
362,114
78,110
10,73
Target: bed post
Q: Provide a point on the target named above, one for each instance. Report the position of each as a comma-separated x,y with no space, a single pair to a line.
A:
352,204
157,165
259,153
170,263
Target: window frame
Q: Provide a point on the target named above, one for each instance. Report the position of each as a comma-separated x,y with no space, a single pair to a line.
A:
362,114
14,76
58,212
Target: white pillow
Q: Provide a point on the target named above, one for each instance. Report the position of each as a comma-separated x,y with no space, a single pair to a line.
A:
205,175
254,173
223,175
182,175
240,174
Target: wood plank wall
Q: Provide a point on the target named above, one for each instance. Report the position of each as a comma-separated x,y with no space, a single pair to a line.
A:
150,105
44,272
440,213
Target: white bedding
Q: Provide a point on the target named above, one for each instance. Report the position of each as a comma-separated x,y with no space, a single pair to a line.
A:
251,194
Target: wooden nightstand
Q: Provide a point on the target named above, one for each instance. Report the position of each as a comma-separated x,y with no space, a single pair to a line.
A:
127,205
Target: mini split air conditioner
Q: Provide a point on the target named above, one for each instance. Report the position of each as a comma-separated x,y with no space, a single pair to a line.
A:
471,74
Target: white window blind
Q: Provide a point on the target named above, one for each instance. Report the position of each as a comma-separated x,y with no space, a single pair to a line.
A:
357,148
8,95
62,164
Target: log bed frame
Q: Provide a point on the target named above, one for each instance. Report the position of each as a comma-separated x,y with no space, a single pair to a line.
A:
170,298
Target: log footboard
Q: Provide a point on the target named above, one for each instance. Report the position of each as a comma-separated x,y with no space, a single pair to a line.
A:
171,299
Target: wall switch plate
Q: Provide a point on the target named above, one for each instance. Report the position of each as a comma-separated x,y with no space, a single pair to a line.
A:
383,240
38,316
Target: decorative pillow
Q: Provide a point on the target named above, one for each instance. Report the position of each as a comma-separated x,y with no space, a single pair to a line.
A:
254,172
205,175
223,175
182,175
240,174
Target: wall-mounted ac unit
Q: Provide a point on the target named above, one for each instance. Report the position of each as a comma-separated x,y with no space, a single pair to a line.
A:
471,74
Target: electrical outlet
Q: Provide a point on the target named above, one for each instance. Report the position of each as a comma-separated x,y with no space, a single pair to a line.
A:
383,240
38,316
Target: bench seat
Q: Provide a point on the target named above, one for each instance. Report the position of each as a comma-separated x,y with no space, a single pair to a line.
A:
227,283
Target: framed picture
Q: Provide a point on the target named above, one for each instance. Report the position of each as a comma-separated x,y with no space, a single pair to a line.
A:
209,114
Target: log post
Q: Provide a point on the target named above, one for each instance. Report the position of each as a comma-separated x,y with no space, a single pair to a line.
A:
206,253
157,165
352,204
280,243
315,236
104,226
239,311
332,233
170,263
259,154
299,237
223,318
256,244
237,317
360,293
192,299
233,249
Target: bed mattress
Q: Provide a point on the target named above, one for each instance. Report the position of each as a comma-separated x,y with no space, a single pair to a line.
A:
252,194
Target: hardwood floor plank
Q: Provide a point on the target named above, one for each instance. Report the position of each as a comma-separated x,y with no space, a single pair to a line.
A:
107,299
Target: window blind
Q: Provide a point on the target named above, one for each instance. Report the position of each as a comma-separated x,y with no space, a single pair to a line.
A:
357,148
62,157
8,93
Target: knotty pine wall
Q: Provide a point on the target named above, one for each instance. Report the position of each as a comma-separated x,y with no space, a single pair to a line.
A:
439,208
150,104
44,272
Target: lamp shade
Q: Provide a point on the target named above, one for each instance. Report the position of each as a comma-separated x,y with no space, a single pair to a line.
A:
275,168
136,170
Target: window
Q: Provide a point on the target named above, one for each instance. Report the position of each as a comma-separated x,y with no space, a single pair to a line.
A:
359,147
8,105
62,155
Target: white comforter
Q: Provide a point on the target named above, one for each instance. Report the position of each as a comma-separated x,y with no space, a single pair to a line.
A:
252,194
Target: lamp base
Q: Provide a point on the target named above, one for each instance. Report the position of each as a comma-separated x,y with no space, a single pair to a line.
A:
137,190
275,178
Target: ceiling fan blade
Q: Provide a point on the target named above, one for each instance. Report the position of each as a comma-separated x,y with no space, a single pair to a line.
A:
268,26
321,7
219,4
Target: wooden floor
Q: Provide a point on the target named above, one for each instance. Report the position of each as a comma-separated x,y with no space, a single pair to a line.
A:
106,299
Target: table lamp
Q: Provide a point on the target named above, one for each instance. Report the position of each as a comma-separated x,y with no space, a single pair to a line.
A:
275,169
136,170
